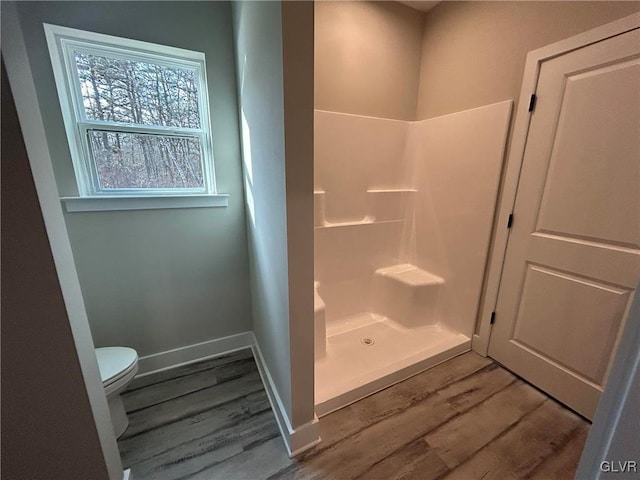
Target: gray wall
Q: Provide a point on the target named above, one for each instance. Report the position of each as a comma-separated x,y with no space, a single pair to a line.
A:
473,53
387,60
367,57
155,279
48,429
275,77
258,32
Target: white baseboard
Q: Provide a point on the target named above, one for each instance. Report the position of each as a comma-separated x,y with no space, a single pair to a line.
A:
193,353
304,437
295,440
127,475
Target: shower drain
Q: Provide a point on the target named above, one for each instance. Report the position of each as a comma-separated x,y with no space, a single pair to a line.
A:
367,341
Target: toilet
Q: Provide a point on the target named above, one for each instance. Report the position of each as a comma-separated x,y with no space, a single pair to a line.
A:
118,366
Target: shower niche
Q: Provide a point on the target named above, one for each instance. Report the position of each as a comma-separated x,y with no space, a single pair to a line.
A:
403,216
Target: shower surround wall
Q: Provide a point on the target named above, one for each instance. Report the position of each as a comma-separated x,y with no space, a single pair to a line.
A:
403,213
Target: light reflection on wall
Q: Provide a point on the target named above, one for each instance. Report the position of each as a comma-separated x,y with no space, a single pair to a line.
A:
246,154
248,167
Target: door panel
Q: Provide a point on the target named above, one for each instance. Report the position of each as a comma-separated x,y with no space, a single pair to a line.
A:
581,303
573,256
586,197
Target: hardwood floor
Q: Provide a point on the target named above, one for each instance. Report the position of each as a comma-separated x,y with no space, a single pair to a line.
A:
465,419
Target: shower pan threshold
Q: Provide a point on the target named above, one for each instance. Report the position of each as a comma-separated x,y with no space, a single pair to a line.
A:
367,353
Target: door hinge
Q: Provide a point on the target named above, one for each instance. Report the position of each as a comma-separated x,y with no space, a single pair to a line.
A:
510,220
493,318
532,102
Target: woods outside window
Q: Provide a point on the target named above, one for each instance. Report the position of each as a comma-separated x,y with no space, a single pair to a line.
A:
136,114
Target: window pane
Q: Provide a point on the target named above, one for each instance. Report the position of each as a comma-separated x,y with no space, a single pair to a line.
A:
143,93
131,160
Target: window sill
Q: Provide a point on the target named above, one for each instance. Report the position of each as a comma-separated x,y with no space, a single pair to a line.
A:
104,204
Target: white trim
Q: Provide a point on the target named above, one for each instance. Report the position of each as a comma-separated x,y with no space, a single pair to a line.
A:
193,353
282,419
514,161
15,55
304,437
101,38
370,117
475,339
127,475
62,42
295,440
107,203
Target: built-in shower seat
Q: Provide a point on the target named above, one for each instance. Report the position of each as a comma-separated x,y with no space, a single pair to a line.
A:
406,294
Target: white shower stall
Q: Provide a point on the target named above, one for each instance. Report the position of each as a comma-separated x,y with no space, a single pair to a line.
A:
403,219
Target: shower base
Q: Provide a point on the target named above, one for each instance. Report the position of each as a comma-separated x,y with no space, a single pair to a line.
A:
367,353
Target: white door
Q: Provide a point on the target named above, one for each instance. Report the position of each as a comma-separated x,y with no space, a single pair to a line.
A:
573,255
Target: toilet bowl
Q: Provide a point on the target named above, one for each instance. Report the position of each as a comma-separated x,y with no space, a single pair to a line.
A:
118,366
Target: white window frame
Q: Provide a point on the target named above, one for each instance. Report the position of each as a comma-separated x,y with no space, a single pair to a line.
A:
62,42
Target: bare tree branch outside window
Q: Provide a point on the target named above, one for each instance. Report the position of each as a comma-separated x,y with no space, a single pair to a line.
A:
132,92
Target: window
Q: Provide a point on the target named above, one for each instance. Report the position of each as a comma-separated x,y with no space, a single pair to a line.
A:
136,115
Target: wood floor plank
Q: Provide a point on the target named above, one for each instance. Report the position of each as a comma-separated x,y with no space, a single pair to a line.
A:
197,455
220,455
353,455
163,391
564,463
414,461
522,448
458,439
191,404
490,379
396,398
138,448
177,372
259,462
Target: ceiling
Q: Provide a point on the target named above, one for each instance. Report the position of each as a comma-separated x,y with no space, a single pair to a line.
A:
423,6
